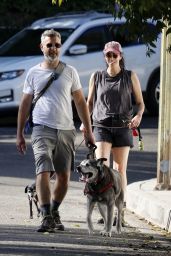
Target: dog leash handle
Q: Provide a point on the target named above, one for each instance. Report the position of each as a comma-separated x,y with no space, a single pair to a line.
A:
92,147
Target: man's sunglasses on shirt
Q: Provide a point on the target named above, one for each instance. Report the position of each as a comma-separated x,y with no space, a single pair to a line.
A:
111,54
57,45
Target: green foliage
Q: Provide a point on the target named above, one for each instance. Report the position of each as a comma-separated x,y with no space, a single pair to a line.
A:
137,13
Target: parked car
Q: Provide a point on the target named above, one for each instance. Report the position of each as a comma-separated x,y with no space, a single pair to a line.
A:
7,32
83,39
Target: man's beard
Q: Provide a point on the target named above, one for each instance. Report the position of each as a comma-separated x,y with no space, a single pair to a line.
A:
50,59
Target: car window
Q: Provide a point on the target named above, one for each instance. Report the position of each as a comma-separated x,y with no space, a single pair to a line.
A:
26,42
93,38
6,33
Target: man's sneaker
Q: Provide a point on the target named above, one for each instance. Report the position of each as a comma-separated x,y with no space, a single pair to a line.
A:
48,224
57,219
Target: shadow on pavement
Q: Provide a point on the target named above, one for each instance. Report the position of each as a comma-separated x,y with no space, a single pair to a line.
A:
21,240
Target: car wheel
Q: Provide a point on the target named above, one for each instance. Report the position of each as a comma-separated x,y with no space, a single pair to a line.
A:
153,95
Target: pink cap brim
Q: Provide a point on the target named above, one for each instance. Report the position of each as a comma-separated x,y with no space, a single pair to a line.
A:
111,50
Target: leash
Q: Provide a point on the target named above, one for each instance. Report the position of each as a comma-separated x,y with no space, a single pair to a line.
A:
92,147
79,144
137,132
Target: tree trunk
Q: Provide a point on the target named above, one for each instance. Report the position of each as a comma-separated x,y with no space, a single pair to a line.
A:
164,129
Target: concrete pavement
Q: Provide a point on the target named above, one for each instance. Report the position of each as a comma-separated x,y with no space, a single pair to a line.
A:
154,206
18,236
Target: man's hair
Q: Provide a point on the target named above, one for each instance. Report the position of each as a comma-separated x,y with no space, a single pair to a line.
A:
50,33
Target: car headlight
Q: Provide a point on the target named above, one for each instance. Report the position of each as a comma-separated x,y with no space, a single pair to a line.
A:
7,75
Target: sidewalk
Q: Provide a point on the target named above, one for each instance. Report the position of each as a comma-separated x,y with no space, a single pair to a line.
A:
142,199
150,204
153,206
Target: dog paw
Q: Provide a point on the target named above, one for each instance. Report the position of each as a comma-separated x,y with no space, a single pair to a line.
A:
105,233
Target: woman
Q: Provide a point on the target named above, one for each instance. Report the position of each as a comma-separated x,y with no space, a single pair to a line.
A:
110,104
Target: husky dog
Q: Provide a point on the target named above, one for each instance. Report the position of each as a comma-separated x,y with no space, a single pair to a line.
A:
32,197
103,186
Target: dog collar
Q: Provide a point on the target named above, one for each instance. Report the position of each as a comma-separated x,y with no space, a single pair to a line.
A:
101,190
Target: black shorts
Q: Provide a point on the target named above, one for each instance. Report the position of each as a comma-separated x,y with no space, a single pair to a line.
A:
118,137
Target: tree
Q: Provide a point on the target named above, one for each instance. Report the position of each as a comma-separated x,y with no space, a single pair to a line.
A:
137,14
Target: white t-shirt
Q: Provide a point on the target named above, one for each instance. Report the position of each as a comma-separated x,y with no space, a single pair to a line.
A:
54,108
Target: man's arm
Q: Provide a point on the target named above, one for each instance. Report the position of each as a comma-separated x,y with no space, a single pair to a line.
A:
84,114
23,114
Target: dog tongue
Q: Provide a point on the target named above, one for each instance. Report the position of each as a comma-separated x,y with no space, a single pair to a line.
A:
84,178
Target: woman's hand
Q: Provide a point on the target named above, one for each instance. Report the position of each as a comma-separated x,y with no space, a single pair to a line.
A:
135,122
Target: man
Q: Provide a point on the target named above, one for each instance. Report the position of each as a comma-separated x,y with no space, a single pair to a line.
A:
53,133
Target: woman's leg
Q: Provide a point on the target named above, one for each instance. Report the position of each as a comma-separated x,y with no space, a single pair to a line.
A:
103,150
120,160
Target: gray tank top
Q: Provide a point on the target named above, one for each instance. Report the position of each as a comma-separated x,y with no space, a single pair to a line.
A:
113,96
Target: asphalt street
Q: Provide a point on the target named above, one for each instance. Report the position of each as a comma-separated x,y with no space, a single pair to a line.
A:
141,164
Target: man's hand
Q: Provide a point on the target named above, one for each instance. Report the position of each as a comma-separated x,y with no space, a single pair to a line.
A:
88,137
21,144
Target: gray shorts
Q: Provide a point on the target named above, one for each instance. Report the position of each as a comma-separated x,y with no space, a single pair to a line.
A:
118,137
54,150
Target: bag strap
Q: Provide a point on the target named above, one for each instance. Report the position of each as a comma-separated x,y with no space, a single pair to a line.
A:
54,76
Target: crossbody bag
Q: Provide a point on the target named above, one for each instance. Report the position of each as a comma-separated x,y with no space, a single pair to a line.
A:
54,76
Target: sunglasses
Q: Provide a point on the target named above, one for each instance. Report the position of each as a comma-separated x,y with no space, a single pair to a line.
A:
111,54
57,45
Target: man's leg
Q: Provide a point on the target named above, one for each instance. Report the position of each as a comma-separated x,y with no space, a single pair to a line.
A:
44,196
43,187
60,186
59,191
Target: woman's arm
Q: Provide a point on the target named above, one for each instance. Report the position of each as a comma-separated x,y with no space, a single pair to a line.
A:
89,99
135,122
91,94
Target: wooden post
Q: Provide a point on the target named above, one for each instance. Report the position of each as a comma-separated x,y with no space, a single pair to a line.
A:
164,128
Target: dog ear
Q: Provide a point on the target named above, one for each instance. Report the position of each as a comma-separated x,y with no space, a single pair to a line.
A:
100,164
100,161
26,189
33,186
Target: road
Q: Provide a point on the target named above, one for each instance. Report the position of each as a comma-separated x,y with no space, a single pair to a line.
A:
141,164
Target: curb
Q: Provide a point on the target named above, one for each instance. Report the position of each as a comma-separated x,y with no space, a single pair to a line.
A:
153,205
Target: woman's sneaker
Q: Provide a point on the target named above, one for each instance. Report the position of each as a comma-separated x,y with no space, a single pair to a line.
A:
57,220
124,223
48,224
